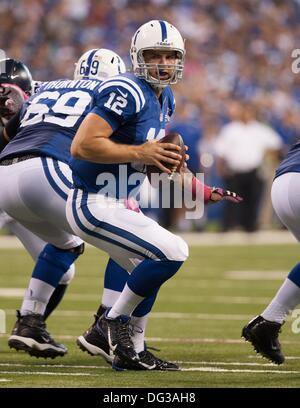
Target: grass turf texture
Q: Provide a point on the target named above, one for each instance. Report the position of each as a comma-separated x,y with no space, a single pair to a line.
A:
196,320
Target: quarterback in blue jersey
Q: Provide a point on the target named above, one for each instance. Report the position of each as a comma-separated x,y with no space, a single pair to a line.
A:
263,330
118,136
36,176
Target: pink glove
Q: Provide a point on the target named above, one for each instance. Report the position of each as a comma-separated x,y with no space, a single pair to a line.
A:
227,195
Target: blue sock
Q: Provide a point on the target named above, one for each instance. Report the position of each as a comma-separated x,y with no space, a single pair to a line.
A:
52,263
115,278
149,275
294,275
145,306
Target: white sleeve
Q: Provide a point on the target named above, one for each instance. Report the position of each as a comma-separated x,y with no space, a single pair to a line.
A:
221,143
272,139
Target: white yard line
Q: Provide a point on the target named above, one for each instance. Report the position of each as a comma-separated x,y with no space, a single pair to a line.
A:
227,370
204,239
55,373
154,315
5,380
19,293
92,367
56,365
199,369
256,275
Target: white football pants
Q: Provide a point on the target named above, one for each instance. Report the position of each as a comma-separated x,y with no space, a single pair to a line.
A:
34,193
286,201
127,236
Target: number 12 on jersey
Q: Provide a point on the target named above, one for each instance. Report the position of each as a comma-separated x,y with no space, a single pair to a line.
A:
114,102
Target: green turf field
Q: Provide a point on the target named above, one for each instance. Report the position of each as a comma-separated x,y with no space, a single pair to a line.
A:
196,321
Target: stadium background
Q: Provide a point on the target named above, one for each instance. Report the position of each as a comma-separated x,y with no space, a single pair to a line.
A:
236,51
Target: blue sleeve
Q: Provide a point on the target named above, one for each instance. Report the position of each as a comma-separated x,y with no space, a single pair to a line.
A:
115,104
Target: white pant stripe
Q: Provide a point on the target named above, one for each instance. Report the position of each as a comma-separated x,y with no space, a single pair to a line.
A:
118,238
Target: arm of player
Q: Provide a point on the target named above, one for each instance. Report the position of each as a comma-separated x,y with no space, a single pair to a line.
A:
4,139
209,194
92,143
10,130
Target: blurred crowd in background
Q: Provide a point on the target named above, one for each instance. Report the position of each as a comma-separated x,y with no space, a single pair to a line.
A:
238,60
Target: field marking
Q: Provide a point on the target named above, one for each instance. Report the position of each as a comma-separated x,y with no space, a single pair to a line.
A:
48,373
179,340
287,357
19,293
5,380
238,370
154,315
199,369
93,367
12,292
256,275
238,238
232,363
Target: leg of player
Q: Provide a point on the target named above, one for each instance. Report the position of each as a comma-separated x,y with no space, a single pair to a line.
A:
34,245
138,244
29,333
263,330
35,204
95,343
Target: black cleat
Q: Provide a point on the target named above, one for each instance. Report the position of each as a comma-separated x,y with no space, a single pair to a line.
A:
263,335
30,335
147,362
94,342
117,333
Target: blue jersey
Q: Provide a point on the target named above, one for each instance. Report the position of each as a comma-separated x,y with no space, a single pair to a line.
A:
291,163
50,118
136,115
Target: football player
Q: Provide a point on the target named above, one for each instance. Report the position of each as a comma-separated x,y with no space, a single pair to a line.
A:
128,116
263,330
37,183
30,339
16,86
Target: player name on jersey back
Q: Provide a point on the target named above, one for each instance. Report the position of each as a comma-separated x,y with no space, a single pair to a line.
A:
50,118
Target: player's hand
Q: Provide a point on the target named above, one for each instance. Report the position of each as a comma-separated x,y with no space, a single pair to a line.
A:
218,194
154,153
11,100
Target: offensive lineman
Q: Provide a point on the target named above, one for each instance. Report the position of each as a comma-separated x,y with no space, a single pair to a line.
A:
263,330
16,86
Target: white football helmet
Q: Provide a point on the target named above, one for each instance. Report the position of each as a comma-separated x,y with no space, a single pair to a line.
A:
99,64
157,35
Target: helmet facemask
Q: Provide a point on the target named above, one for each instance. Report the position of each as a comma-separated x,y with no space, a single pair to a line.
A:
175,71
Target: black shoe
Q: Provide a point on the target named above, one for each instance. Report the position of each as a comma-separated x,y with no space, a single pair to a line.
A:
117,333
94,342
148,361
263,335
29,334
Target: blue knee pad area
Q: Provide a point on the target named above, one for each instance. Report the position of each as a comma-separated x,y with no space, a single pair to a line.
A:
115,276
149,275
294,275
52,263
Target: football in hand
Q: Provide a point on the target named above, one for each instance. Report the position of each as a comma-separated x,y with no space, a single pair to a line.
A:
176,139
